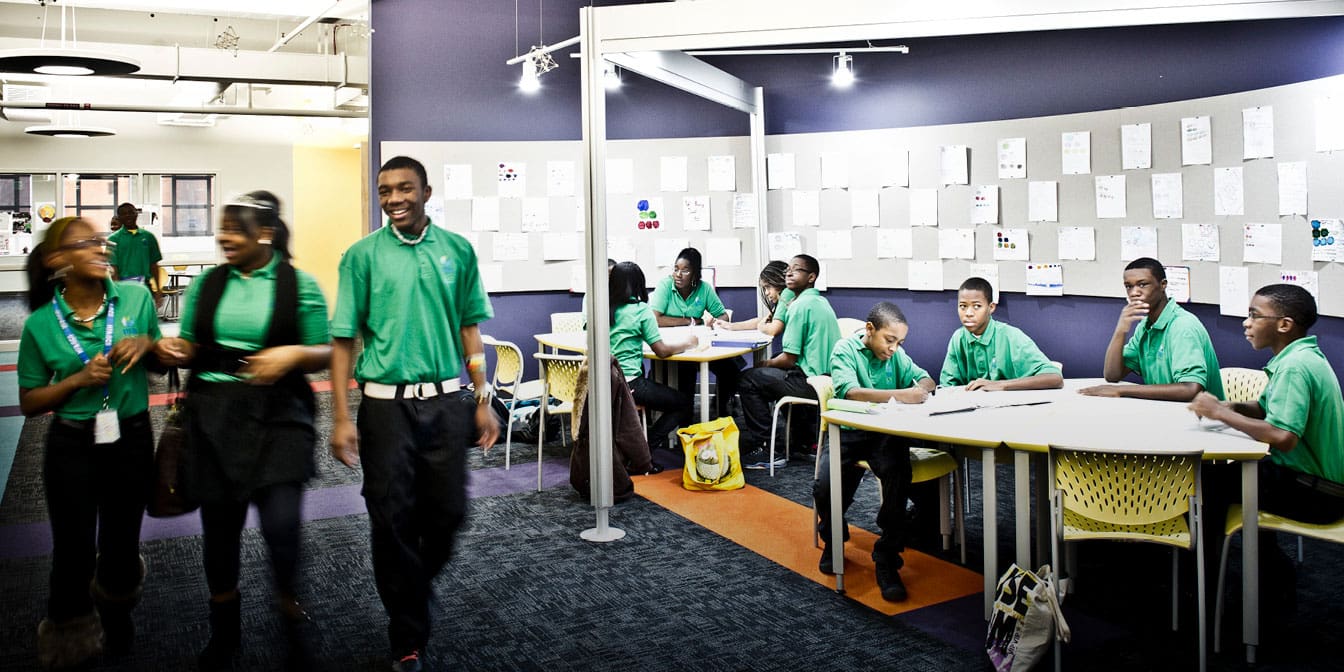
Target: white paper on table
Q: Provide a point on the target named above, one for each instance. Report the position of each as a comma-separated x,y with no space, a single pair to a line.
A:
744,211
620,176
485,213
785,246
1138,241
806,207
722,173
834,170
509,247
1012,158
895,243
923,207
985,206
1168,196
1199,242
956,243
1196,141
779,172
665,251
1293,188
895,168
1326,242
1136,146
1234,292
492,277
1011,245
835,244
863,208
511,178
1263,244
1308,280
1110,192
954,165
990,272
1076,152
695,214
1077,242
622,248
1043,201
536,214
672,173
1329,125
563,247
1229,192
1178,283
457,181
1045,279
434,210
559,178
1257,132
926,276
723,252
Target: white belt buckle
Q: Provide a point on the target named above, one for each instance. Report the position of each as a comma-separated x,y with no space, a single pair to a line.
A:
426,390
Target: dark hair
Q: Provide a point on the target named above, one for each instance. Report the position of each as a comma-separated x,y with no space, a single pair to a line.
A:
978,284
692,257
809,263
1154,266
258,209
1292,301
398,162
610,263
773,275
625,285
885,313
41,280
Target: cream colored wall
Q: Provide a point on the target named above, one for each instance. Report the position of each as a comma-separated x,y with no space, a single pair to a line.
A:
329,211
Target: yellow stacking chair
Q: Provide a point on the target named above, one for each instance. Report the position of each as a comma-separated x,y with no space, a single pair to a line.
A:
566,322
559,380
850,326
508,377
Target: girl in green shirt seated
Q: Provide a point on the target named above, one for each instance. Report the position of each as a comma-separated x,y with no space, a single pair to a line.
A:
776,298
682,300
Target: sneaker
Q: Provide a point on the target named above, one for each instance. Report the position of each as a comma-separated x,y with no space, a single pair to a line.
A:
889,581
760,459
407,663
826,565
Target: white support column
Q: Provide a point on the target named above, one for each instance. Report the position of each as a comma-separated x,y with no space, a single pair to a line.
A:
758,183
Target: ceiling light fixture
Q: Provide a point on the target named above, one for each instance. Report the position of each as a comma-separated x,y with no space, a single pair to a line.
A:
611,77
843,76
529,83
70,131
62,61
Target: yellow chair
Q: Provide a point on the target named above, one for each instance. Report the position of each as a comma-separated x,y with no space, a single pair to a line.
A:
170,292
566,322
1140,497
560,380
508,377
850,326
1243,384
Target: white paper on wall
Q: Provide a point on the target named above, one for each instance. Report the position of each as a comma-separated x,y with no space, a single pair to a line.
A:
835,244
695,213
509,247
1045,279
434,210
485,213
1138,241
1228,192
1110,193
1199,242
1077,242
924,207
1136,146
1308,280
620,176
926,276
985,204
785,246
559,178
457,181
1329,125
863,208
744,211
956,243
665,252
1043,201
1234,294
1168,196
1293,188
1178,283
1076,152
722,173
990,272
1012,158
895,168
536,214
779,172
723,252
511,178
954,166
834,170
1257,132
806,207
563,247
622,248
1263,244
672,173
1011,245
492,277
895,243
1326,242
1196,141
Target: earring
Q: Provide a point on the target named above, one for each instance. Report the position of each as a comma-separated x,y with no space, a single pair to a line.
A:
61,272
265,241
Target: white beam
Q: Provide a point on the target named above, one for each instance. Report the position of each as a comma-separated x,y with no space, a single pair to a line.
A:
691,75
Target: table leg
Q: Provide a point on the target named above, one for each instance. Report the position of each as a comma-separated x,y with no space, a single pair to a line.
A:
1022,506
990,524
1250,557
704,391
1043,510
837,514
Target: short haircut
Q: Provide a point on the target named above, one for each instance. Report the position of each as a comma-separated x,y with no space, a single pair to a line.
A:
978,284
886,313
1292,301
1154,266
127,206
693,259
809,263
398,162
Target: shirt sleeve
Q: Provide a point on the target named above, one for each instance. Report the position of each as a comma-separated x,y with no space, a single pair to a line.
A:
352,297
155,255
661,298
1130,355
648,326
313,328
1186,345
32,367
713,304
795,332
1287,401
952,373
843,374
908,372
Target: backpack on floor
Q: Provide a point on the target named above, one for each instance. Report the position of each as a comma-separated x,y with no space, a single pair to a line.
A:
712,459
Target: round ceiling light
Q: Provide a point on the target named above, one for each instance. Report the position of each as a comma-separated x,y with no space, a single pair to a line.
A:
49,61
70,131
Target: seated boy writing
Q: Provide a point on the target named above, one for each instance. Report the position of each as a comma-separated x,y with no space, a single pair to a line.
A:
1170,348
809,337
872,367
990,355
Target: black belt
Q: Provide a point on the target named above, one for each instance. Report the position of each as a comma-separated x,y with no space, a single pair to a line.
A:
86,425
1324,486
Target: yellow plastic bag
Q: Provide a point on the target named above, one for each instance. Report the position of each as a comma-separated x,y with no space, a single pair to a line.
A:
712,459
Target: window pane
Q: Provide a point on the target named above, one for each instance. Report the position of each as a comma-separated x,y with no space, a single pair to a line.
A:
192,191
97,191
192,221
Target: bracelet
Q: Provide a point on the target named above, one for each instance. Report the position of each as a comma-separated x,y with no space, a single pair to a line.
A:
476,362
484,394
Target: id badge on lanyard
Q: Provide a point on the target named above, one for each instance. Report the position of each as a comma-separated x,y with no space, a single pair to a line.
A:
106,425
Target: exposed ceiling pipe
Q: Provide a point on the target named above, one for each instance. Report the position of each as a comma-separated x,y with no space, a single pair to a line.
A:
183,109
299,29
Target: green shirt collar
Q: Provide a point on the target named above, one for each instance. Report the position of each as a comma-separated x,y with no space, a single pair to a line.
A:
1304,343
267,271
429,228
109,286
810,291
986,338
1169,313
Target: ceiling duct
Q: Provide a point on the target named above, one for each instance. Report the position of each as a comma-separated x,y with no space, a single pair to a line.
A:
25,93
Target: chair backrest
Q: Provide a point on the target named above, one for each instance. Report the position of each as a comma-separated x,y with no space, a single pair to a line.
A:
850,326
825,391
561,375
508,364
565,322
1125,488
1243,384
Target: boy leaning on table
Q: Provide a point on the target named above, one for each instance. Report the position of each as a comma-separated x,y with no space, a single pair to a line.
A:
990,355
1170,348
1300,415
872,367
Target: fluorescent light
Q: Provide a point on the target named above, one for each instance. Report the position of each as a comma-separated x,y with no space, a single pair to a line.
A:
529,83
843,77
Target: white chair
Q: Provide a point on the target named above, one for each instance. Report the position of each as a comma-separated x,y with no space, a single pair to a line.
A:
850,326
508,377
560,380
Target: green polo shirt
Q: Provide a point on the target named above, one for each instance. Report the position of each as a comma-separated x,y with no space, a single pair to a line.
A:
45,357
135,251
1174,349
409,302
635,325
1002,352
243,318
668,301
1303,397
811,332
786,297
853,366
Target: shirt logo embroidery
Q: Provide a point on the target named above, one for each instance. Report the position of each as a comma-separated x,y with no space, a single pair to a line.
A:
128,327
447,268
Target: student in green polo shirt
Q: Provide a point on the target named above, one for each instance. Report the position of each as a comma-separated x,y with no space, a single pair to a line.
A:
776,298
251,329
682,299
872,367
79,358
413,292
809,337
135,254
990,355
1170,348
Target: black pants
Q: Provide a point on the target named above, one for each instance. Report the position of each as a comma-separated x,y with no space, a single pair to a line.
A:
413,453
889,458
727,373
279,507
95,490
760,388
673,406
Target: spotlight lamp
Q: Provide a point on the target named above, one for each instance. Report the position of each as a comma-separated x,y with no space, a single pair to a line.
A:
843,75
611,77
529,83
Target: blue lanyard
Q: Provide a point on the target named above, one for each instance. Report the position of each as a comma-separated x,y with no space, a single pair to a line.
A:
74,342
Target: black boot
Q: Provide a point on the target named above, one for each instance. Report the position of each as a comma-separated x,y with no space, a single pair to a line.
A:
226,634
115,611
69,644
298,631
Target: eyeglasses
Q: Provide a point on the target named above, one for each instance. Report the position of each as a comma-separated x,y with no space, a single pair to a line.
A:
88,243
681,271
1267,317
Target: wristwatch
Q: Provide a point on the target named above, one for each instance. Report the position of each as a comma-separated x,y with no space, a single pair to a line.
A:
484,394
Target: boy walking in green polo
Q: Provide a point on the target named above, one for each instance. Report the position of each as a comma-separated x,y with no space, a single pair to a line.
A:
135,252
990,355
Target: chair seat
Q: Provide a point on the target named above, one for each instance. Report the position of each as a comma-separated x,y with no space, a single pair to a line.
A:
1172,532
1268,521
929,464
561,408
528,390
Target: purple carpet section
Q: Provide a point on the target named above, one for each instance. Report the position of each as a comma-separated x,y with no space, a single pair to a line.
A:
34,539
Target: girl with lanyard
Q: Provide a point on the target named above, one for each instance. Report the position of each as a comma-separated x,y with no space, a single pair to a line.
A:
251,329
79,357
682,300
